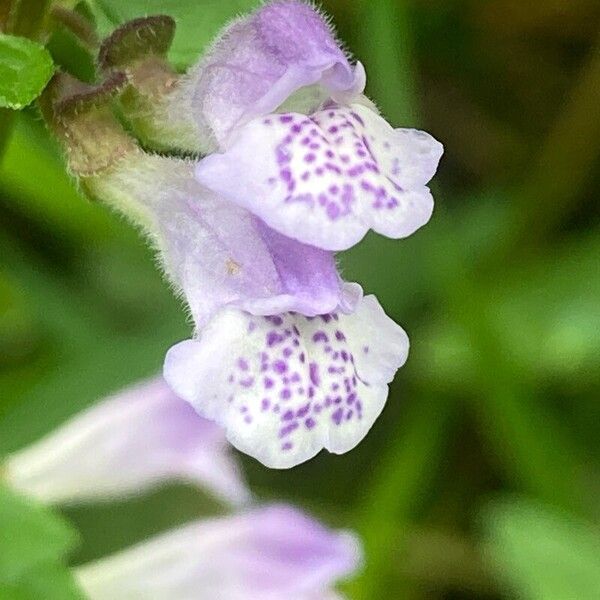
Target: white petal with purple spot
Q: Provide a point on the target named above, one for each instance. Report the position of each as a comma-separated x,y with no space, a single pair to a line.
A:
327,178
287,386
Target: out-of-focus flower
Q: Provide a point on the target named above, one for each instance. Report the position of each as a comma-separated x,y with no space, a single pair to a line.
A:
287,386
129,442
270,553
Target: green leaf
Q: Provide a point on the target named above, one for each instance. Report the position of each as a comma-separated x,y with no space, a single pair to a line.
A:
197,22
50,581
25,69
30,536
541,554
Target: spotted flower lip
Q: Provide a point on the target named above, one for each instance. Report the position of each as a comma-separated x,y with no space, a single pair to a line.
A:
217,253
287,386
262,59
134,440
325,179
269,553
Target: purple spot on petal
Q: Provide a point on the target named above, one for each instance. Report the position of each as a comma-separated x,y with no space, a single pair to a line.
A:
302,412
333,211
280,366
248,382
273,338
337,415
288,429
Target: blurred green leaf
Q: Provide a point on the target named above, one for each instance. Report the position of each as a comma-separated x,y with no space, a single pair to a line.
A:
51,196
25,69
391,80
397,488
197,22
547,311
30,536
50,581
71,55
541,554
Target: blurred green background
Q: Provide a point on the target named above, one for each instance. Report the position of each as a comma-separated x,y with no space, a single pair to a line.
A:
480,479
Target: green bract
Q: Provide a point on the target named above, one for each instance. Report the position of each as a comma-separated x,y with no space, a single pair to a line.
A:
196,21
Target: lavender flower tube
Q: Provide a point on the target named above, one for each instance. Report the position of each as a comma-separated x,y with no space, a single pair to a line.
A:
216,253
137,439
268,553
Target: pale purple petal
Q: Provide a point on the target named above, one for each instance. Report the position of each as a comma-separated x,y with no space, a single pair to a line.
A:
270,553
326,179
125,444
216,253
259,61
287,386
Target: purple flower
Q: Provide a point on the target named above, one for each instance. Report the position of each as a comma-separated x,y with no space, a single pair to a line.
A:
260,60
285,356
269,553
327,178
129,442
297,143
285,387
216,253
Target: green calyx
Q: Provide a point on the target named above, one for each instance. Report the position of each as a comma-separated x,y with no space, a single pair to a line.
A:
81,117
